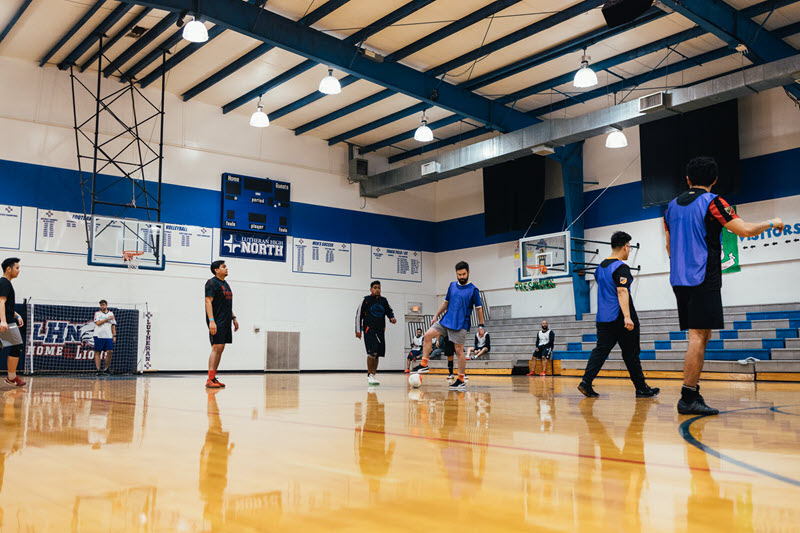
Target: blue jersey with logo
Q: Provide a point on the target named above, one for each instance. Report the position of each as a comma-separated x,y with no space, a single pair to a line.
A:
611,274
688,247
460,301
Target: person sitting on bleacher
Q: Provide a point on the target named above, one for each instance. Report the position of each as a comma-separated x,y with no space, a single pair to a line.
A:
483,346
437,347
545,340
416,350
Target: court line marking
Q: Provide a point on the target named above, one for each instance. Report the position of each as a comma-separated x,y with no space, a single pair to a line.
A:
685,432
778,410
458,441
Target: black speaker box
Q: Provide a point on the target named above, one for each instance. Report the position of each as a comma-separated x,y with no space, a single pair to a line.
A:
618,12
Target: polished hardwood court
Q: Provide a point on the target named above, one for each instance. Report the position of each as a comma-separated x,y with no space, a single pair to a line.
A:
322,452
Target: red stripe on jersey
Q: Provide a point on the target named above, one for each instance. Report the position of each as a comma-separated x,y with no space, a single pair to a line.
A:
721,211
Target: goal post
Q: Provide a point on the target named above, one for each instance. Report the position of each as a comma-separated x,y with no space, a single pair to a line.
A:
60,338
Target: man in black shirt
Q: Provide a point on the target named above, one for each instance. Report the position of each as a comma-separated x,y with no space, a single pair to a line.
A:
9,333
219,316
371,320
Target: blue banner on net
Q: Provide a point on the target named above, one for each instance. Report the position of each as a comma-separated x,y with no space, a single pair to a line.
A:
62,339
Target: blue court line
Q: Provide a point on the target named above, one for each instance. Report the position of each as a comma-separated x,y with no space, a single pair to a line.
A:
685,432
778,410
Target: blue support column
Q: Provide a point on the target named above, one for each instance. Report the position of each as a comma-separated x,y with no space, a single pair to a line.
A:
571,159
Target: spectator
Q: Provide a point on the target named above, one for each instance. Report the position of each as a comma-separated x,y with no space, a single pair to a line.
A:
437,347
545,340
416,349
483,345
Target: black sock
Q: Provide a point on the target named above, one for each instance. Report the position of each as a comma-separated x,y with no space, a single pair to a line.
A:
688,393
450,366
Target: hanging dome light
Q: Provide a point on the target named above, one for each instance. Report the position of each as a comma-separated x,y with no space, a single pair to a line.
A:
423,133
259,119
195,31
585,77
329,84
616,139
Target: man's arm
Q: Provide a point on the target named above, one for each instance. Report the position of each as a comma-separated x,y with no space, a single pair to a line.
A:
360,319
667,232
3,324
480,318
624,304
440,311
551,340
390,312
212,326
751,229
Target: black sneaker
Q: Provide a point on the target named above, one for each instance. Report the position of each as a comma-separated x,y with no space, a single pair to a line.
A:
587,390
419,369
695,407
649,392
458,385
692,403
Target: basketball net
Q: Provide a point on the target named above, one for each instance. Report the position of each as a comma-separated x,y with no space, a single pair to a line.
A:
131,258
537,271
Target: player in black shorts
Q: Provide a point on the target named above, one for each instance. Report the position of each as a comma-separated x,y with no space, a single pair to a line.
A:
371,320
693,223
219,317
10,321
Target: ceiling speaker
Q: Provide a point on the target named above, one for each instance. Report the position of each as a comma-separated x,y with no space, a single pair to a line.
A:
618,12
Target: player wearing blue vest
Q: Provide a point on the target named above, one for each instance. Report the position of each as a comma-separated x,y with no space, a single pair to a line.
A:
693,223
617,322
455,314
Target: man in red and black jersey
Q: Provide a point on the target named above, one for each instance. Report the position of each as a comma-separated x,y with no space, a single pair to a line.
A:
219,317
693,223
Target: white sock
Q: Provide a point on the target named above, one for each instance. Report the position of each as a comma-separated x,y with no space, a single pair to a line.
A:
12,376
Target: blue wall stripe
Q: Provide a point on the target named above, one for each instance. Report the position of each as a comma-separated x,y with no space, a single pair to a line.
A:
763,178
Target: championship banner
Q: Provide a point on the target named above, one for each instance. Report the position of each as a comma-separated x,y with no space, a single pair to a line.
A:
252,246
62,339
730,250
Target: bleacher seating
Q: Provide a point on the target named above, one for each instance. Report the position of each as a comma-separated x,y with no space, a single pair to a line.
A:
767,333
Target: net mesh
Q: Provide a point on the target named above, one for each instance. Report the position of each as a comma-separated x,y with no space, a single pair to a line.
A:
131,258
61,338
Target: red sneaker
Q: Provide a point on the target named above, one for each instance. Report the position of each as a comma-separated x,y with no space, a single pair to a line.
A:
16,382
542,374
407,371
530,374
213,384
221,384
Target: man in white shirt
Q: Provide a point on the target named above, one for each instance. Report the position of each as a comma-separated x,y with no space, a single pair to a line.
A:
416,349
483,345
545,340
105,333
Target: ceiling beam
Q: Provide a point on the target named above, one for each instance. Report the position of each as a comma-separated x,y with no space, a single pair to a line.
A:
317,46
404,52
179,56
17,15
154,55
99,31
388,119
355,39
735,28
139,44
560,132
315,16
72,31
120,34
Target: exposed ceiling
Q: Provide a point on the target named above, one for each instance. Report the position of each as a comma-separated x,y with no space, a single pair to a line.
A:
498,64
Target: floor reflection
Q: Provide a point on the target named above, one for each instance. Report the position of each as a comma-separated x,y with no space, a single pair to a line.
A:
214,465
373,455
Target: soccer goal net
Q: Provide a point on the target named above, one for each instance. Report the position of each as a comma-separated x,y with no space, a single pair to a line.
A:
63,338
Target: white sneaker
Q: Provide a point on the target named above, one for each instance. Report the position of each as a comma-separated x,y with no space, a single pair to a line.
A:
372,380
451,378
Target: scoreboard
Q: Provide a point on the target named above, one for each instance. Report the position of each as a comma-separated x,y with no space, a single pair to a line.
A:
255,204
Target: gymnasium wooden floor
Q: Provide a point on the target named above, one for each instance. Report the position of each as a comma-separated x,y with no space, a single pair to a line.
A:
321,452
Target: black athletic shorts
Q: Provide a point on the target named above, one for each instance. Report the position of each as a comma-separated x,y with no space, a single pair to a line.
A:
375,343
224,335
699,308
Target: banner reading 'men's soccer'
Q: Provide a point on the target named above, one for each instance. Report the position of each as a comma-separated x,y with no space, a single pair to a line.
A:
62,339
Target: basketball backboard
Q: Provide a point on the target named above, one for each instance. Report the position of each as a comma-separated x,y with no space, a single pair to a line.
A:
547,254
111,237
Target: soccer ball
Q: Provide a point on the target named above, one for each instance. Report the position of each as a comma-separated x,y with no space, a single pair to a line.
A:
414,380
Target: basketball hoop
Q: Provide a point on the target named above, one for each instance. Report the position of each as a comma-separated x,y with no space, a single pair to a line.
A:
537,271
131,258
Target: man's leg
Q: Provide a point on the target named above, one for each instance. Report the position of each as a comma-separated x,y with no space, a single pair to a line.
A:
450,364
11,364
536,358
427,348
631,348
97,353
109,353
606,340
695,356
214,359
462,361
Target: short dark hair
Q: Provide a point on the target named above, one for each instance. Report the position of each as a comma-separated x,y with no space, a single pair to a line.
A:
619,239
10,262
103,302
376,282
462,265
702,171
215,265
